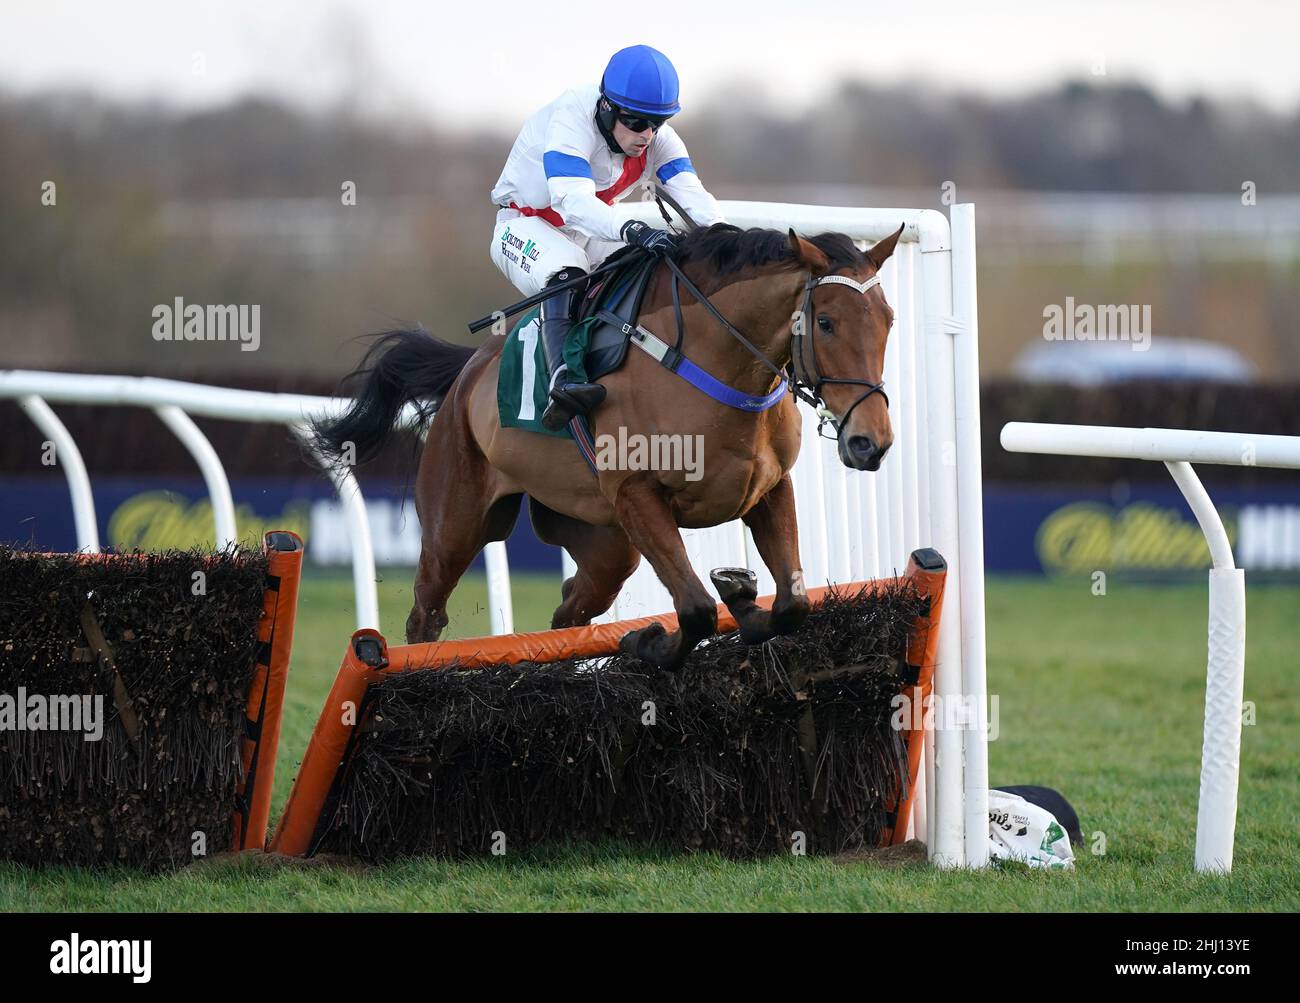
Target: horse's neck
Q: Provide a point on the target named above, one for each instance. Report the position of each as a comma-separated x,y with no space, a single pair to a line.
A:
759,307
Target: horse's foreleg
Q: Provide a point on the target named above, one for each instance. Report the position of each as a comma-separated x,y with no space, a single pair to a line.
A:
776,534
645,516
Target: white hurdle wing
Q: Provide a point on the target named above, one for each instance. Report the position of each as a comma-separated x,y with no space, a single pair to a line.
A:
1178,449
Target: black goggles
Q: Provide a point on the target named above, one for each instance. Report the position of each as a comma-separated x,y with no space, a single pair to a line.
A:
640,122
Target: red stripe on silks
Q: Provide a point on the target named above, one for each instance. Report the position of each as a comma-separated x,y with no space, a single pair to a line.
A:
633,168
548,214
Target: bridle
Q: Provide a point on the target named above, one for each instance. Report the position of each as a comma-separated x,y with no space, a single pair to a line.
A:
808,379
804,374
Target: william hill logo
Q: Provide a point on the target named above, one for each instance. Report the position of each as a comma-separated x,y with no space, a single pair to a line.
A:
161,520
1086,536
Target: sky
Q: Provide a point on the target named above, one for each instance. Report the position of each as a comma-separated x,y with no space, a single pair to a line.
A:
469,64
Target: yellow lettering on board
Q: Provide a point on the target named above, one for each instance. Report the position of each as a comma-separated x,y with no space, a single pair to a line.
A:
163,520
1086,536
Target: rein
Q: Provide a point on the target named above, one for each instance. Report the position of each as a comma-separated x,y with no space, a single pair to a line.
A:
804,377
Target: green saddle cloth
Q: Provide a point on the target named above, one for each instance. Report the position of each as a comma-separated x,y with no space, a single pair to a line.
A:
523,382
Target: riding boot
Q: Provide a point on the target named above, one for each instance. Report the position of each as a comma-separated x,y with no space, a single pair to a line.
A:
566,399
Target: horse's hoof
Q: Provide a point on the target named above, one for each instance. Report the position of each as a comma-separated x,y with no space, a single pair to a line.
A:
788,618
652,644
752,634
632,642
735,583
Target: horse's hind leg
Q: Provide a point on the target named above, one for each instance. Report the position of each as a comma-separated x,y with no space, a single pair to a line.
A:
645,515
776,534
605,558
448,546
462,508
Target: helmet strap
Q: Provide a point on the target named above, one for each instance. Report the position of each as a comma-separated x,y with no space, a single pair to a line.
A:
605,112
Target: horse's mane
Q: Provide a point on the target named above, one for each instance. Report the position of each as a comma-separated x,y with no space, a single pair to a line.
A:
727,249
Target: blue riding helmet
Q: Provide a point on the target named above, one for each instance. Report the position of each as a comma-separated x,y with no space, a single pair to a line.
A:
641,79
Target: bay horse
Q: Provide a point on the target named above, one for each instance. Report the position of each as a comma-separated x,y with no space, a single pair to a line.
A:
813,304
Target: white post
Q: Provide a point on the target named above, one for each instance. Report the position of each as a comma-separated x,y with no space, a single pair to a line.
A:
214,474
948,847
1216,817
358,521
67,456
970,490
916,825
500,606
1225,679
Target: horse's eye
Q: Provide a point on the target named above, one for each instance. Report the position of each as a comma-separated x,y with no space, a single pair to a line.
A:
825,324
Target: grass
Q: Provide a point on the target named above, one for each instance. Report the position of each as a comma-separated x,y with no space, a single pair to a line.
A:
1101,697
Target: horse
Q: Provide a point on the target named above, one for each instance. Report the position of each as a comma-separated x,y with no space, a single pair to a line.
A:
811,304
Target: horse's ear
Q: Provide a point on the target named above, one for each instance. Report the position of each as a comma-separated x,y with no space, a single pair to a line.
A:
809,255
882,249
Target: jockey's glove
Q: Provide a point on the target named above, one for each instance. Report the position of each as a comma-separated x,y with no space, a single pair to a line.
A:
639,234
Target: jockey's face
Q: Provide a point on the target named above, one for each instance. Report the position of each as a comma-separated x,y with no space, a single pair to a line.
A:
632,143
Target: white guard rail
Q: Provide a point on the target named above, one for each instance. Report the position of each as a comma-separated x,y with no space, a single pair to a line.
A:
1177,449
174,402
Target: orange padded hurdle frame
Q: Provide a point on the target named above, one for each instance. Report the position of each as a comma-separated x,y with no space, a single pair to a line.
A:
284,551
368,659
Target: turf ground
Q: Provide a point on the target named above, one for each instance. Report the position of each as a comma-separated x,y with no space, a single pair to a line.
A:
1101,697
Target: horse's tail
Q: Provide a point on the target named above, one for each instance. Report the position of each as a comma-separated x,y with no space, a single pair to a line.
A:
400,368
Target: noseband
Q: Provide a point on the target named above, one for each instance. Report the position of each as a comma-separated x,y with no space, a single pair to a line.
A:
807,379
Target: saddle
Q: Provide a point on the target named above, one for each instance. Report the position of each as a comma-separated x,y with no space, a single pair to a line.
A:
610,306
604,315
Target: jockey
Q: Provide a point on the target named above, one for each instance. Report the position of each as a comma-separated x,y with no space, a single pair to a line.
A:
571,162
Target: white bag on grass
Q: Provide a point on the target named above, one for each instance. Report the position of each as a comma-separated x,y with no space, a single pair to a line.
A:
1026,833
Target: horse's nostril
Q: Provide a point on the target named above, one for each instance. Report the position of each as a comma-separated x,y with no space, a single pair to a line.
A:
861,446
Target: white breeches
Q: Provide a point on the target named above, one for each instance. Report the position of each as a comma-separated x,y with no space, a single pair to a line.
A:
528,250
